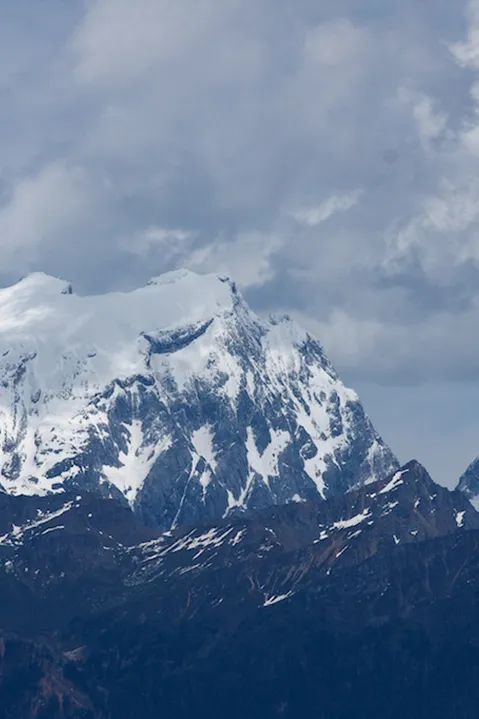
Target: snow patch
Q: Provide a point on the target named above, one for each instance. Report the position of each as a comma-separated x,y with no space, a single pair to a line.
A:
238,537
275,598
297,499
136,462
53,529
203,441
266,463
353,521
394,482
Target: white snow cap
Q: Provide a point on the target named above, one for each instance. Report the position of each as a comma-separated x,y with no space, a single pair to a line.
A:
170,299
40,315
41,283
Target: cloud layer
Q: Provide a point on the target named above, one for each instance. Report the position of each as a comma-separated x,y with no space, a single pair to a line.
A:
324,154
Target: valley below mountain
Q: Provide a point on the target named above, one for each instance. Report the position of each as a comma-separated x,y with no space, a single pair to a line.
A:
326,608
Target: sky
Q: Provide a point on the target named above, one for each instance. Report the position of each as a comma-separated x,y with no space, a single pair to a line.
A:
324,153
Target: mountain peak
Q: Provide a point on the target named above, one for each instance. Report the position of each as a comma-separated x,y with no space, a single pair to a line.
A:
38,284
414,466
469,483
174,397
185,275
174,276
415,471
413,475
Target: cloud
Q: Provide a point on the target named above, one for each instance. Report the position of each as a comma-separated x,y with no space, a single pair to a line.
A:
41,210
234,137
336,43
171,243
118,41
467,52
402,352
248,258
313,216
441,238
431,123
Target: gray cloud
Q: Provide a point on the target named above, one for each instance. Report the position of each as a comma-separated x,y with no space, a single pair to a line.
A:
323,153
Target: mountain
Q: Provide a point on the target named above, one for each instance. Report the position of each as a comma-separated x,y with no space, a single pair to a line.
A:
363,604
174,398
197,519
469,482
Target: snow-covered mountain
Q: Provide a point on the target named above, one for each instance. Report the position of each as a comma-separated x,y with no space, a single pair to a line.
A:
174,396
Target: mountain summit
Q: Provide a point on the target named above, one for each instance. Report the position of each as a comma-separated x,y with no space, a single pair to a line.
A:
174,397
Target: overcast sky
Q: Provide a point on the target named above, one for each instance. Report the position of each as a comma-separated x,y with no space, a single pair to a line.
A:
325,153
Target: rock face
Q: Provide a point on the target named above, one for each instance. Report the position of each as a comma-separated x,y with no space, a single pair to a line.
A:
368,599
469,482
288,547
174,398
